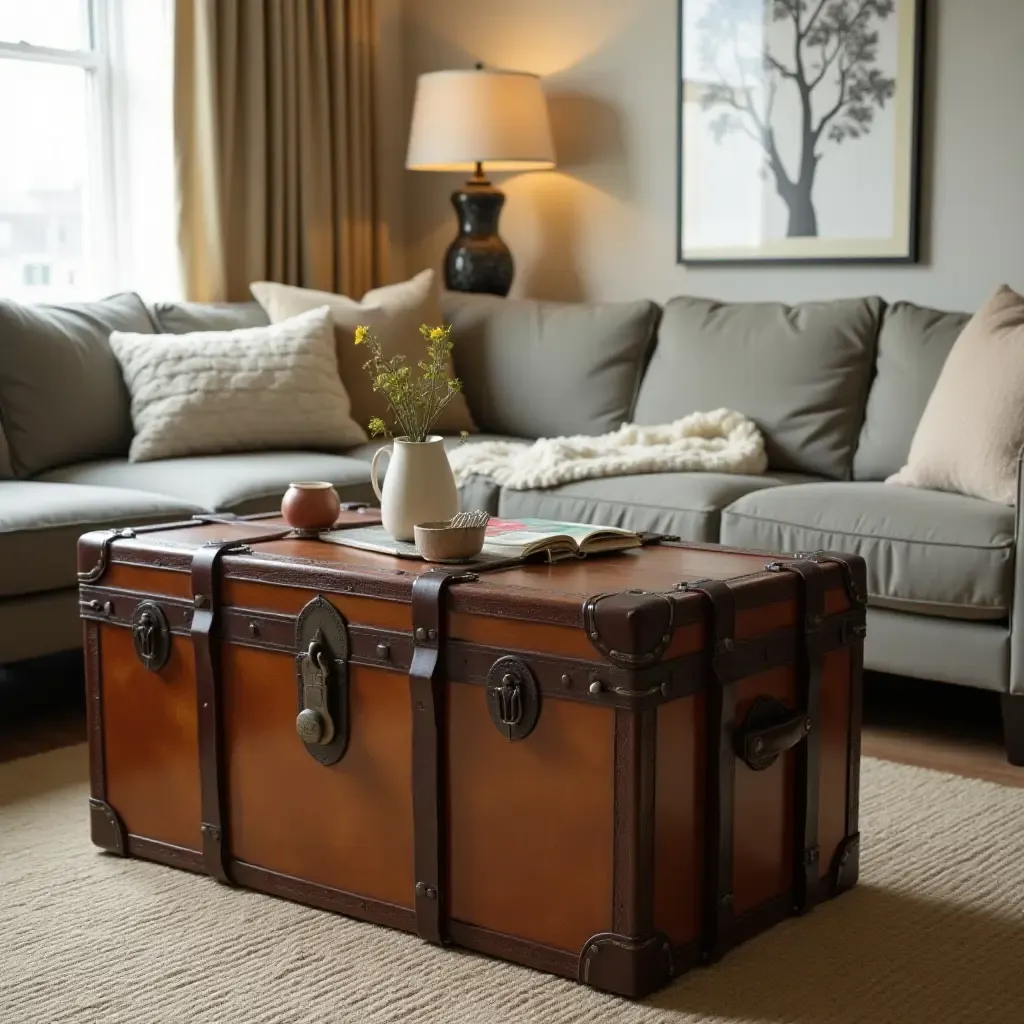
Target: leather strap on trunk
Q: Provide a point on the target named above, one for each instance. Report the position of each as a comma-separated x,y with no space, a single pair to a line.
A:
205,647
428,715
721,770
807,870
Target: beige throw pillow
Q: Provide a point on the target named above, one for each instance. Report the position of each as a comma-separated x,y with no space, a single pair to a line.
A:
254,389
972,428
394,313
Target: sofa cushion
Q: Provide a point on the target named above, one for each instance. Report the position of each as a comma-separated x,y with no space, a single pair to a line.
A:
800,372
686,504
972,429
478,492
927,551
40,524
62,398
242,482
186,317
394,313
912,348
548,369
254,389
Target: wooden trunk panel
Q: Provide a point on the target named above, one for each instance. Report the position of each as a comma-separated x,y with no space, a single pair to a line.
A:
150,741
530,821
347,825
679,818
764,805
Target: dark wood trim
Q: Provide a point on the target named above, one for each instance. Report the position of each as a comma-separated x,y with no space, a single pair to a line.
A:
1013,727
520,951
756,921
856,730
720,794
633,853
166,853
94,711
809,666
636,688
429,789
322,896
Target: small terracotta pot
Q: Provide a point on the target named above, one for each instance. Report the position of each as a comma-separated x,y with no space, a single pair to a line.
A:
310,505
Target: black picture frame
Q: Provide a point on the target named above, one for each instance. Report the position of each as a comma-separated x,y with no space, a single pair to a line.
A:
913,254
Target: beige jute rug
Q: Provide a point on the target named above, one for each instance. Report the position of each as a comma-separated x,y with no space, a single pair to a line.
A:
934,934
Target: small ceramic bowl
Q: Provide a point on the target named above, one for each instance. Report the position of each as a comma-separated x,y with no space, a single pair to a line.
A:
442,542
310,506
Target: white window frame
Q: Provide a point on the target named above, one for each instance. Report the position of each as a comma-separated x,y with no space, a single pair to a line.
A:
101,198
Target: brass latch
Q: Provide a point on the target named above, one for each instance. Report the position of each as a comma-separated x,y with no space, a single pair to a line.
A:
314,723
321,635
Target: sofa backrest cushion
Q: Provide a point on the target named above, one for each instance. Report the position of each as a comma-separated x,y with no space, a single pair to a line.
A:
549,369
62,397
800,372
912,349
187,317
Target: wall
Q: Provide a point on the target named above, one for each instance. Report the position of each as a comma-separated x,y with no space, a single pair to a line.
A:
604,225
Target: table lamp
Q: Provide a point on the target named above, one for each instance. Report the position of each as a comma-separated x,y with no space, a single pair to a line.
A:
475,121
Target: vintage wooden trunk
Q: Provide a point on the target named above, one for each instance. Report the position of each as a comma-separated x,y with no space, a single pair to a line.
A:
612,769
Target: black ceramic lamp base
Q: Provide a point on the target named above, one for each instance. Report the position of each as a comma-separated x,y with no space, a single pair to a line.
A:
478,260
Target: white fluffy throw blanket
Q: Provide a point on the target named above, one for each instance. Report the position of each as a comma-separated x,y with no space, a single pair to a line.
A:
722,441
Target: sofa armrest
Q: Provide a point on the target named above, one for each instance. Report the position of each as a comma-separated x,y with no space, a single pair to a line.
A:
1017,597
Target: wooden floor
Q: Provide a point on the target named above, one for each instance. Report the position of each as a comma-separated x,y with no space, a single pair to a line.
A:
948,728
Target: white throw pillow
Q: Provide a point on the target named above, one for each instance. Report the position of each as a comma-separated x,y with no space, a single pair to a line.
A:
228,391
394,313
972,428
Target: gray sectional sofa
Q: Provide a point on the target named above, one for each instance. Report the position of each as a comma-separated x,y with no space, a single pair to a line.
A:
837,389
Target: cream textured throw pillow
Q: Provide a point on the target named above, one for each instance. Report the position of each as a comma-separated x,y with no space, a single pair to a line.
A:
972,428
228,391
394,313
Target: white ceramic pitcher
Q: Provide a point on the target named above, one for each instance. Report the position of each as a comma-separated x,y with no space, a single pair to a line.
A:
419,486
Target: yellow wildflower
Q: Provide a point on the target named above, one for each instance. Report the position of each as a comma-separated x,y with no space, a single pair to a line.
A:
436,333
361,332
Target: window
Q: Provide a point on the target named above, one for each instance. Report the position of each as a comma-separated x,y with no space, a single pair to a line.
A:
35,274
87,188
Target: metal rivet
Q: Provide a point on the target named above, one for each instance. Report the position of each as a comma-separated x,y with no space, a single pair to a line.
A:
726,899
595,635
807,725
666,689
94,605
199,600
420,706
431,634
108,607
566,682
595,686
758,746
421,633
665,639
383,651
727,643
254,629
613,653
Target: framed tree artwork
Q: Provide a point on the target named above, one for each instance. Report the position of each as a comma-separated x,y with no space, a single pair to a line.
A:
799,130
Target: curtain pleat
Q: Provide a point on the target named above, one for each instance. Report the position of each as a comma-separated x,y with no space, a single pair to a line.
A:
274,123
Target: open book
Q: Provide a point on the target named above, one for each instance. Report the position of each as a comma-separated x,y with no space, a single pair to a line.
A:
520,538
506,538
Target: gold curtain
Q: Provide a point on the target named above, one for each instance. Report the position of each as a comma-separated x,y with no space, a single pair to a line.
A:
274,130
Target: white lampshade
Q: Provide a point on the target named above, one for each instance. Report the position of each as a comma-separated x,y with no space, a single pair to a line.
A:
499,118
